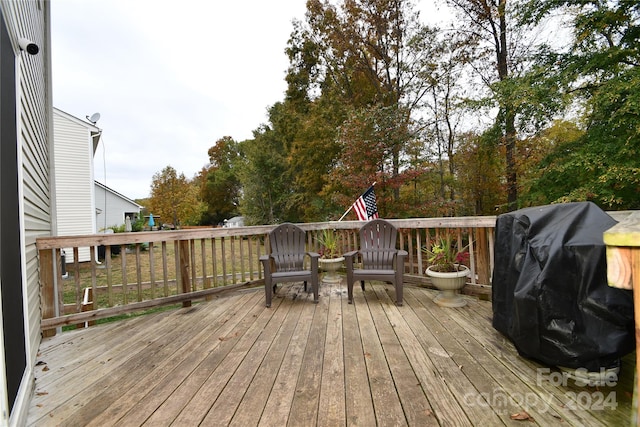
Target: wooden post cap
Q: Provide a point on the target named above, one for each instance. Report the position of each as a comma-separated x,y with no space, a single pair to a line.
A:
623,241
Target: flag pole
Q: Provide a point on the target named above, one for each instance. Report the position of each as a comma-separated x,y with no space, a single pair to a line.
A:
351,207
345,214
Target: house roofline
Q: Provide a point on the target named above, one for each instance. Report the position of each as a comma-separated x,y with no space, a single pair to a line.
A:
90,126
94,130
122,196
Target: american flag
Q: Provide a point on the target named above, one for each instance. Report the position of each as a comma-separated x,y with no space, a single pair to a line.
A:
365,207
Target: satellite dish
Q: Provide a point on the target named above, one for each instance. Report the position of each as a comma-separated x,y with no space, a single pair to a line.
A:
94,118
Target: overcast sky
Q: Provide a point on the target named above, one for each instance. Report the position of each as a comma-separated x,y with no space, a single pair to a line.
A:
168,78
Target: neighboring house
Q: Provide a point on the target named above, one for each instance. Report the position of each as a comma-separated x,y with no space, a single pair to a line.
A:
83,205
26,194
112,208
236,221
75,142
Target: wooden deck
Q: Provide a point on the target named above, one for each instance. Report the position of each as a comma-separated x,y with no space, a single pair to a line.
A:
231,361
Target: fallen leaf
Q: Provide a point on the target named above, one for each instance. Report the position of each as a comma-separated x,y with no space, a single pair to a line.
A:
521,416
228,337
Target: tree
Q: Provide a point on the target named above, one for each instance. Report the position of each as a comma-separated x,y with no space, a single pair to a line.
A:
479,177
368,138
446,105
221,185
601,68
501,49
485,22
174,198
360,56
539,155
265,180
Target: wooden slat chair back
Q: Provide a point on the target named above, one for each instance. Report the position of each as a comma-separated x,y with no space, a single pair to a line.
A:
286,261
378,257
378,246
287,244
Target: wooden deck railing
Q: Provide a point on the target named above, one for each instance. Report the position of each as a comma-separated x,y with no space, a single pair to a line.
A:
149,269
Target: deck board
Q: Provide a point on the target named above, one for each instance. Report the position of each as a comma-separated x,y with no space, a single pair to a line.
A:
277,407
231,361
332,392
415,404
358,396
386,401
251,407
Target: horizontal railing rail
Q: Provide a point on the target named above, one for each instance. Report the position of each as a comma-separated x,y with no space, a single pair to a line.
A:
127,272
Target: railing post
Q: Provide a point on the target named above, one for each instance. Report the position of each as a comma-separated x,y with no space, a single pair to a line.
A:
483,264
185,277
623,271
47,288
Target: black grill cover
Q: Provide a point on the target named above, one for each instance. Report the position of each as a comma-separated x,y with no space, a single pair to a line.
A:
550,292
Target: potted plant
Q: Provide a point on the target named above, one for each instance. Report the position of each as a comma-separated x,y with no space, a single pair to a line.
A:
447,270
330,255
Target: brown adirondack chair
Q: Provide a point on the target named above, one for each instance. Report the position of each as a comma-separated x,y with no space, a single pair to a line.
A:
285,263
378,257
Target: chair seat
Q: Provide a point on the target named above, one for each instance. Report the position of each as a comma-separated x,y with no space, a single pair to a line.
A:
361,273
285,275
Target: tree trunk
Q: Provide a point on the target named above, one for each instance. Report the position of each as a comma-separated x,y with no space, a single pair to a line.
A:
510,148
509,116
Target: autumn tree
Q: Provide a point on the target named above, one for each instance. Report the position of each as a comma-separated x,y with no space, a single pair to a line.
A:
362,57
480,182
174,198
367,139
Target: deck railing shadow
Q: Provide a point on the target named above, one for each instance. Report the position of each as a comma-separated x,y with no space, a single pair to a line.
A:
129,272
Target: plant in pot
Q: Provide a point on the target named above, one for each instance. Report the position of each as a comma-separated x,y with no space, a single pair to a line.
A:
330,255
447,270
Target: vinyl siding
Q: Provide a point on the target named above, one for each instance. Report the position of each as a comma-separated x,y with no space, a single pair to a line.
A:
113,212
32,19
73,158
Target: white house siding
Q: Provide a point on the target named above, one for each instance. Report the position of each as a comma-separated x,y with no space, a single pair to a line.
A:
111,207
30,19
73,159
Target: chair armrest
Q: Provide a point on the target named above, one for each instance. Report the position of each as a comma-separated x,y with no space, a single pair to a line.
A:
350,254
400,257
349,258
314,261
267,261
